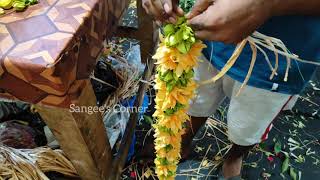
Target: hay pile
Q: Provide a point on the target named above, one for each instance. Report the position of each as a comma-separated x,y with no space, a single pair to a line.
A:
31,164
128,75
130,78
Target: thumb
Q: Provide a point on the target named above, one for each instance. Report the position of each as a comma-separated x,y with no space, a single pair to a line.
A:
199,7
204,20
198,22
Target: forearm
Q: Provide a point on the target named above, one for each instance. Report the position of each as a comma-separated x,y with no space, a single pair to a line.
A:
296,7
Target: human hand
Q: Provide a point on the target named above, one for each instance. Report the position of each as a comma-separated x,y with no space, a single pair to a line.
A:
228,21
163,10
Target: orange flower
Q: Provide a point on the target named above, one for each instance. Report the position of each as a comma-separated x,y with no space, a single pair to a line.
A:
166,58
169,115
171,58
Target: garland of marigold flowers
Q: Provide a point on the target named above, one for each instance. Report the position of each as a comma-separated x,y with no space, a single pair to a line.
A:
175,57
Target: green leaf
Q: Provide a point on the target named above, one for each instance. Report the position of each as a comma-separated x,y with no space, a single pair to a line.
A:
19,5
192,40
293,174
168,29
165,129
285,165
169,87
180,106
185,35
168,147
277,147
173,40
190,74
176,108
169,112
179,36
161,76
188,46
163,161
168,77
181,20
183,82
182,48
165,73
170,173
167,41
148,119
189,29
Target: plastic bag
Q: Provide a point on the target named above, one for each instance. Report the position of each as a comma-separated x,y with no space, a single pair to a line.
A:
115,122
134,58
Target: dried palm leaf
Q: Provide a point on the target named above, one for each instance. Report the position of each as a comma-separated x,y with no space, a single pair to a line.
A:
229,63
31,164
256,40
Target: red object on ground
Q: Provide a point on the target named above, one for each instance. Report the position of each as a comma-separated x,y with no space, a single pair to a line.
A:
270,159
133,174
16,135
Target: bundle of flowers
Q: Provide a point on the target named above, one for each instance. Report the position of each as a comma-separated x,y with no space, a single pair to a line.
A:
176,57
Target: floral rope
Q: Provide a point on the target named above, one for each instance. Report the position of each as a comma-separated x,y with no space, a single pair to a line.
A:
176,57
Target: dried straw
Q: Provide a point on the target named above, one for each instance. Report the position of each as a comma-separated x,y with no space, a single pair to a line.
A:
31,164
229,63
253,61
129,77
211,163
257,41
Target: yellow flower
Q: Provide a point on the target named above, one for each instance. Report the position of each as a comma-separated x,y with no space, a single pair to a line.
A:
196,49
183,95
160,85
166,58
171,58
163,170
173,155
164,138
169,124
174,122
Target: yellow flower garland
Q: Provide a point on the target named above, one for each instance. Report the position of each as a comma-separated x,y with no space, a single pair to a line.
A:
176,57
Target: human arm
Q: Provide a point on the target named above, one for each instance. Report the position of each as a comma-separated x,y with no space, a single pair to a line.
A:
231,21
298,7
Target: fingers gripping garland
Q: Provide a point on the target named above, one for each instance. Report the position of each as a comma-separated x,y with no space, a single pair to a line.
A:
176,57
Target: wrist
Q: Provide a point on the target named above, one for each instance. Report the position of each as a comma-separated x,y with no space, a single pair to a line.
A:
277,7
289,7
